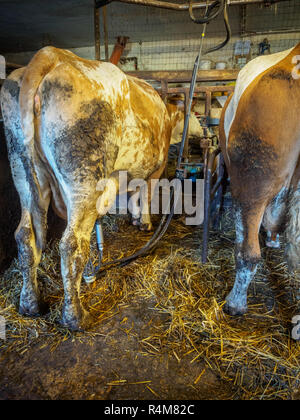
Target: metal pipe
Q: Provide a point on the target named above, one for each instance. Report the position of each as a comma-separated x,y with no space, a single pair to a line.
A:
118,49
14,65
100,239
272,32
207,202
105,32
189,104
243,20
216,186
217,194
183,7
97,32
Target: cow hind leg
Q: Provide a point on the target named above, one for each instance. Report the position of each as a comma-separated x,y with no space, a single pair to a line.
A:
147,194
31,238
74,251
292,232
247,257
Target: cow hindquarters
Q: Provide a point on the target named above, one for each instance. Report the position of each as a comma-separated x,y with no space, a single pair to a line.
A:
247,255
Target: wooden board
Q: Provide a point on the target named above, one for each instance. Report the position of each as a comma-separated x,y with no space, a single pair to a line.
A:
185,76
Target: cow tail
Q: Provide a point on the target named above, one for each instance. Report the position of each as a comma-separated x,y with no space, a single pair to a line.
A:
293,230
41,64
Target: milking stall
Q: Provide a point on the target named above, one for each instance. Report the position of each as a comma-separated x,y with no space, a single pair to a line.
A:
150,202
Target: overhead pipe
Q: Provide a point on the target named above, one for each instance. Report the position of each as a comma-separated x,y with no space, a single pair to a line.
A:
14,65
185,7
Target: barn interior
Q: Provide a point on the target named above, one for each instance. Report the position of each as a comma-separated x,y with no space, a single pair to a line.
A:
159,331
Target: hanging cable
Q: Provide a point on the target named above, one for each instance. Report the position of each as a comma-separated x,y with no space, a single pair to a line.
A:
211,13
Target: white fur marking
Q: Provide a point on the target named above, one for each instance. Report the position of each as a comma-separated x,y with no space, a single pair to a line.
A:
246,76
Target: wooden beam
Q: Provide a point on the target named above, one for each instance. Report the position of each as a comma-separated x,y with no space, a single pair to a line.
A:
185,76
199,89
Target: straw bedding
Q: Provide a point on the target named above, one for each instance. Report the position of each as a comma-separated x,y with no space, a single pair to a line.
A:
254,353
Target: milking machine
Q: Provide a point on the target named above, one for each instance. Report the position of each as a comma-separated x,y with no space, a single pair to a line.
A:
212,150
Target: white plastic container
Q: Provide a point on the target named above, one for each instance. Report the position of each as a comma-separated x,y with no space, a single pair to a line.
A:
221,65
205,65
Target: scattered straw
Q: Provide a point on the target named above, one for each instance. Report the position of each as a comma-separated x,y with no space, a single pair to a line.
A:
254,353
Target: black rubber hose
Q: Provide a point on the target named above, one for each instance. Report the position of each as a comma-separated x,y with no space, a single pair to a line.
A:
210,14
149,245
228,32
158,234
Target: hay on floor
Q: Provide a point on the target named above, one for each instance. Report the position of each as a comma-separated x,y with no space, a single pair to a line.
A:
254,353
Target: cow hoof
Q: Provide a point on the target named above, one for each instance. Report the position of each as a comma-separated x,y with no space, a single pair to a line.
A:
77,324
135,221
33,310
146,227
29,311
234,310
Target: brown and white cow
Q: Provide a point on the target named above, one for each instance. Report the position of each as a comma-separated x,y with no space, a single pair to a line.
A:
260,140
176,109
69,123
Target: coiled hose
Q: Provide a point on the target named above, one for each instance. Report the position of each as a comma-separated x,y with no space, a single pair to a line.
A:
211,13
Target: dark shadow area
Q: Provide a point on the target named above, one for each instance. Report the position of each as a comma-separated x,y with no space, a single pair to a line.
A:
9,208
10,211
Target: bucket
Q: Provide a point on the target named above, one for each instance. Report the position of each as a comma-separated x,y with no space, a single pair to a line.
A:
221,65
205,65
